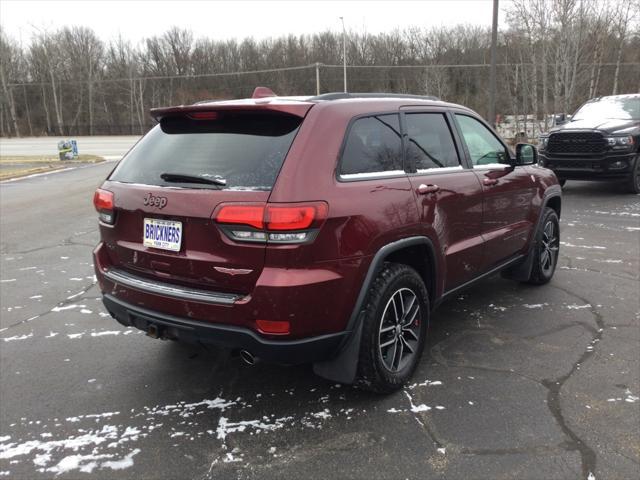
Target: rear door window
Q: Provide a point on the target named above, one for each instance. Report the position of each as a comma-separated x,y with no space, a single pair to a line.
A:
430,144
373,147
246,149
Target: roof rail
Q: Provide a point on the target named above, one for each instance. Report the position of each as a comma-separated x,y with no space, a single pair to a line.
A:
342,96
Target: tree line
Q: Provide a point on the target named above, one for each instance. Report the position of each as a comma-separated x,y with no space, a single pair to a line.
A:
553,55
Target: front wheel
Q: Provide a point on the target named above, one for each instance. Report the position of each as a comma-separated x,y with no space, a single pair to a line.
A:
546,248
395,323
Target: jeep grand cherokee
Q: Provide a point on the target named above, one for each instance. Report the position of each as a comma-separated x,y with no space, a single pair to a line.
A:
318,229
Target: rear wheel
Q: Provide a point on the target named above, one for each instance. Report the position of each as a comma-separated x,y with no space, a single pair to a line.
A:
395,320
546,248
633,183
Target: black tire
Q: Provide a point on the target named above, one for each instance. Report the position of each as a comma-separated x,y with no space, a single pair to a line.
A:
633,183
562,181
393,286
545,249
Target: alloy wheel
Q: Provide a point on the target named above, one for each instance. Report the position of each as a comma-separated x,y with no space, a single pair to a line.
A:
549,247
399,332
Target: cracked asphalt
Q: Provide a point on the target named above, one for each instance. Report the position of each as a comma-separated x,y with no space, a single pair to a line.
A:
516,381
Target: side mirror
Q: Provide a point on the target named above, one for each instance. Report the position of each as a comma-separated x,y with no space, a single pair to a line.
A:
526,154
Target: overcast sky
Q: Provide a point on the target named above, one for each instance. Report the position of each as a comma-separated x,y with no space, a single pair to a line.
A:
136,19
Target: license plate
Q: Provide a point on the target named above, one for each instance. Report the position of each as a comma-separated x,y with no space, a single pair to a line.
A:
164,234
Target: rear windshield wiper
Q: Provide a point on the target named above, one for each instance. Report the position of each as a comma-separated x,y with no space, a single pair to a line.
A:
186,178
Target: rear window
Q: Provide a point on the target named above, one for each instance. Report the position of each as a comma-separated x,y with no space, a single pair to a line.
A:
373,147
246,149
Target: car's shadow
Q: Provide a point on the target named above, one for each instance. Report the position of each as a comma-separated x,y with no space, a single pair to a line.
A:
219,370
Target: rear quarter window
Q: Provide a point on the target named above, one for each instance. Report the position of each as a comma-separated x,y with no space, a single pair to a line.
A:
246,149
373,147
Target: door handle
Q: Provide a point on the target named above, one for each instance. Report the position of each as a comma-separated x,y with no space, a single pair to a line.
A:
489,182
424,189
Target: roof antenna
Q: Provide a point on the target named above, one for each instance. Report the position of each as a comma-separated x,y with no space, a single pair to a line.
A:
262,92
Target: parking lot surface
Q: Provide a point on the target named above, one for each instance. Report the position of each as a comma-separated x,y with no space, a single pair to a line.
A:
516,381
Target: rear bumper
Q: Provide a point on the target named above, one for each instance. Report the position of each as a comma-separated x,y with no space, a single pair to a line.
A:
315,301
605,167
288,352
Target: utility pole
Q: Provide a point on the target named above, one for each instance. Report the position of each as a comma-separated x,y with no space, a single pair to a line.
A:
492,71
344,54
317,78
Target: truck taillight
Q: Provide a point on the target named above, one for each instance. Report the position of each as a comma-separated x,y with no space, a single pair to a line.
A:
103,201
272,222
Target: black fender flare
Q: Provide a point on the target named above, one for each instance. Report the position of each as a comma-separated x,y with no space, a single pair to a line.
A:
522,271
343,367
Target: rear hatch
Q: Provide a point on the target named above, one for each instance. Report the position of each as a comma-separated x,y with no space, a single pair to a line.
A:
168,186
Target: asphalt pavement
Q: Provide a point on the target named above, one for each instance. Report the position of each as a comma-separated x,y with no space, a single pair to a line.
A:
517,382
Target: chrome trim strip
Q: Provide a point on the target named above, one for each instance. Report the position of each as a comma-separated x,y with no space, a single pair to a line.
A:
160,288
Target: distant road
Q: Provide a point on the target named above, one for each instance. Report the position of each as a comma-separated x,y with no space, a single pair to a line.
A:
106,146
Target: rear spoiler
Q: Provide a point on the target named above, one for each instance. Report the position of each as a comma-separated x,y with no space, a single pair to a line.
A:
298,109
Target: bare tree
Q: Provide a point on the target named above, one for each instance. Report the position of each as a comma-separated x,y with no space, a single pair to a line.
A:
622,19
9,59
556,54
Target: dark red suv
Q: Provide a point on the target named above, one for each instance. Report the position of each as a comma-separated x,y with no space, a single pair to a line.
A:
318,229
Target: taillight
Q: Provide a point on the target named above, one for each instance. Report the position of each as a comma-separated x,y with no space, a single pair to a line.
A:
103,201
252,215
273,223
297,217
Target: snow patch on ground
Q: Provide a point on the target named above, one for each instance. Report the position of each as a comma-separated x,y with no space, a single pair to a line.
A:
107,441
426,383
66,307
225,427
590,247
86,463
77,335
498,307
534,305
18,337
578,307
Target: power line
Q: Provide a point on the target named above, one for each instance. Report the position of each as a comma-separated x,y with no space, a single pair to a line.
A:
298,68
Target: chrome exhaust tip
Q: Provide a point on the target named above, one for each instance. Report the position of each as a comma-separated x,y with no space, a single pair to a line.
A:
248,357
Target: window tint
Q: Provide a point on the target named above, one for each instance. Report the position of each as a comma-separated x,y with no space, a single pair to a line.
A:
430,142
373,145
483,146
246,149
